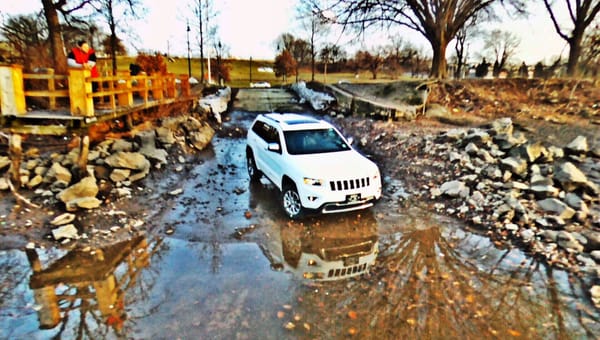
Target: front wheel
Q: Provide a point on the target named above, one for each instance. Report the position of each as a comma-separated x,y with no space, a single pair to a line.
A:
253,171
290,200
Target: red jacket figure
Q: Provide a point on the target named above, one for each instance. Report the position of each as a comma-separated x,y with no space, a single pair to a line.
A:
83,56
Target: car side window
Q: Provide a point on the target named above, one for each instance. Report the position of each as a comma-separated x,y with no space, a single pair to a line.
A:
265,131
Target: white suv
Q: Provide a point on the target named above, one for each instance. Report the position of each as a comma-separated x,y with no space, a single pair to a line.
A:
311,163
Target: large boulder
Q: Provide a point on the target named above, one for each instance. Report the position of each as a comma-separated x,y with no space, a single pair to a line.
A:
128,160
57,172
81,194
201,137
557,207
571,178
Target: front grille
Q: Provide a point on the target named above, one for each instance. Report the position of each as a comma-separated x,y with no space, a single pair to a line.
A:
349,184
347,271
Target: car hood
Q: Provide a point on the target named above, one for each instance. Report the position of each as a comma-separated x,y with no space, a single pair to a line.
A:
334,165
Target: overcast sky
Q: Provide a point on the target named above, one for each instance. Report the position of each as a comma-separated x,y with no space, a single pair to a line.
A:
249,28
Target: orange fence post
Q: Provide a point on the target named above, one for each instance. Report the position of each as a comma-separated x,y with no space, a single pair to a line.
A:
125,96
157,87
170,78
80,93
12,90
185,85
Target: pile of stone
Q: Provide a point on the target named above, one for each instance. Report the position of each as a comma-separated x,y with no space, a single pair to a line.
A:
114,164
544,196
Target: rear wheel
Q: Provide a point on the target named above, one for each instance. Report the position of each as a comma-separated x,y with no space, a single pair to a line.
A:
253,171
290,201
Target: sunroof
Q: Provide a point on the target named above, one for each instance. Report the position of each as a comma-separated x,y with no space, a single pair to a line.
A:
300,121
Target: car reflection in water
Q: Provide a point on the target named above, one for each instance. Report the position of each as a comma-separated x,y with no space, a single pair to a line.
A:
326,248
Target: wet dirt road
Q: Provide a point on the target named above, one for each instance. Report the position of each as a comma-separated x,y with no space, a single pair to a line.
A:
225,263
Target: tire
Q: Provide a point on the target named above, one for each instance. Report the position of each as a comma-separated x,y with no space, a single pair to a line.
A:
253,171
290,202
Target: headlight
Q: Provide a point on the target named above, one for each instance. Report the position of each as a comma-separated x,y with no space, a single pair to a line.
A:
313,181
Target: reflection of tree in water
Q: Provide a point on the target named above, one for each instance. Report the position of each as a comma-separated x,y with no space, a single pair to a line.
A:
427,284
84,294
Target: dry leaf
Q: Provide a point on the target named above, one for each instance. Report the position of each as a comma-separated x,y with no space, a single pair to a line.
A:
280,315
352,315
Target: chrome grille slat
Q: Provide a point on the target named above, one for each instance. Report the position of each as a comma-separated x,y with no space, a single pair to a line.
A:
349,184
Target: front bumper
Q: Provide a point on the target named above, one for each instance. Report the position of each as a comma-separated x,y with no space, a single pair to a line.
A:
321,199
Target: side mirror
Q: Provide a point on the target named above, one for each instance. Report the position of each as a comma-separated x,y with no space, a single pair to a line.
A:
274,147
350,140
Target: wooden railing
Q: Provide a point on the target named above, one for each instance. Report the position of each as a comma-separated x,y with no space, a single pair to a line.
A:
114,93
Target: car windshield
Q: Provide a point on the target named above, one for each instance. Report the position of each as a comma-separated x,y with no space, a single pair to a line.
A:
303,142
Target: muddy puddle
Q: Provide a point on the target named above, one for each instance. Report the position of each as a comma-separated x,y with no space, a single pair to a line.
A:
225,263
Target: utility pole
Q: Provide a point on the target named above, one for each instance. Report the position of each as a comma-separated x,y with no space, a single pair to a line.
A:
188,46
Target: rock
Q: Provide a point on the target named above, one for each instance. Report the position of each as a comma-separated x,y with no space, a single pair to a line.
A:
128,160
63,219
65,232
85,188
544,191
121,145
578,146
557,207
471,149
201,137
122,192
592,240
455,189
32,164
492,172
83,202
34,182
4,184
531,152
549,235
575,202
595,254
119,175
148,147
595,294
571,178
515,165
57,172
527,235
453,135
176,192
567,241
4,162
165,136
502,126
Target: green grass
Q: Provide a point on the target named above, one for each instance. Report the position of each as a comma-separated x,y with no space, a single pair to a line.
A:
240,72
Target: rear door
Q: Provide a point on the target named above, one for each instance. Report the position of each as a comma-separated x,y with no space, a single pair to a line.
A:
266,160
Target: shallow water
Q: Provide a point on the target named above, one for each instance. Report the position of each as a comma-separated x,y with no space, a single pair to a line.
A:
226,263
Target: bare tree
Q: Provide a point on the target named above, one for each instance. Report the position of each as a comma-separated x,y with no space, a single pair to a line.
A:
26,36
316,24
367,61
437,20
329,54
204,12
503,45
108,9
582,14
591,52
300,49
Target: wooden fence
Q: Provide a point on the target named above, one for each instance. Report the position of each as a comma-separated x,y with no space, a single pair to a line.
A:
122,92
